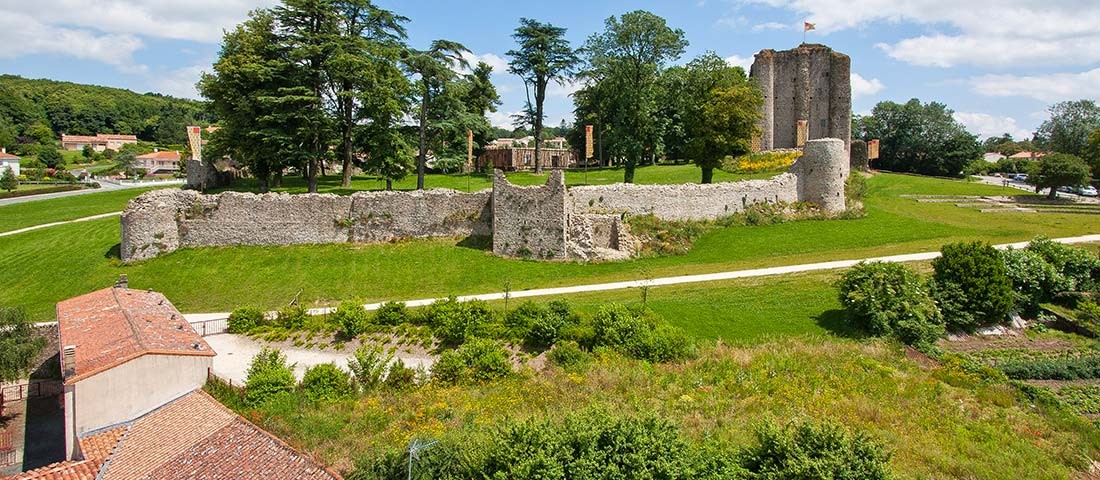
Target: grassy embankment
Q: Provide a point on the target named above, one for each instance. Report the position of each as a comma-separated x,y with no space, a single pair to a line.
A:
57,263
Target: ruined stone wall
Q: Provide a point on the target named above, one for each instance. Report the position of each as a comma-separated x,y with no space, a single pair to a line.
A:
547,221
811,83
161,221
530,221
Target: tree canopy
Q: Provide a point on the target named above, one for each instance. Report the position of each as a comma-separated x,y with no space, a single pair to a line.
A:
1069,126
623,64
19,344
920,138
37,112
544,55
1058,170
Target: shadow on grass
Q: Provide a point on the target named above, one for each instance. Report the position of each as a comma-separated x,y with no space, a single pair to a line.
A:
476,242
115,252
836,322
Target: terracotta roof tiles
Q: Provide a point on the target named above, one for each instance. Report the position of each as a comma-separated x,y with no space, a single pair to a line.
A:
115,325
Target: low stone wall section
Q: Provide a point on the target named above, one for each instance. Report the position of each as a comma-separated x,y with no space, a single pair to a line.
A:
161,221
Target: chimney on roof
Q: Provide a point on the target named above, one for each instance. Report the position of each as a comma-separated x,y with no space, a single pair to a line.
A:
68,361
122,282
3,149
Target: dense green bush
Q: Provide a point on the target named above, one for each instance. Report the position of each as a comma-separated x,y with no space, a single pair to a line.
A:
1088,311
400,377
478,360
568,355
244,319
292,317
1066,368
368,366
351,318
454,322
806,451
971,285
639,333
1079,267
1034,280
268,375
890,299
595,444
391,313
539,326
327,382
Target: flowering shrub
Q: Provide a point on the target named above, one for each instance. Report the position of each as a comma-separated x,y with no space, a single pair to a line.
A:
761,162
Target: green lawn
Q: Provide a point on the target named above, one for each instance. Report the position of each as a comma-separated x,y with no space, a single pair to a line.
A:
37,212
57,263
647,175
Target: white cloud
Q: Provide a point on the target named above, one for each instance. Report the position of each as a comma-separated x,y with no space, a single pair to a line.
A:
554,89
502,119
760,27
1047,88
180,82
739,61
862,87
198,20
990,33
500,66
986,125
22,35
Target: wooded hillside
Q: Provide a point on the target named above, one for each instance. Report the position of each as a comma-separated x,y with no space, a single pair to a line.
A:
32,109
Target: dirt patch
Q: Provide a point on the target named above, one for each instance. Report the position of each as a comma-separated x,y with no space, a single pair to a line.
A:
974,343
924,361
1056,385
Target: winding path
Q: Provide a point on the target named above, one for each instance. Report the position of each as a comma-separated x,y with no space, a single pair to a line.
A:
54,224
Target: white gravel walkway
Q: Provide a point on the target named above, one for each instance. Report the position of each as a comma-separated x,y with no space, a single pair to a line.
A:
236,351
54,224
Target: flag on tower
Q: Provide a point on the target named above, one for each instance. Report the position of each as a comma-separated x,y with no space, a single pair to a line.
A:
807,26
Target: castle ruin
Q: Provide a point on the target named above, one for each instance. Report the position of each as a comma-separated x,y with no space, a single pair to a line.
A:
807,95
547,222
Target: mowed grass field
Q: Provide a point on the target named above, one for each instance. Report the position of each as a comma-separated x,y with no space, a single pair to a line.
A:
38,212
46,266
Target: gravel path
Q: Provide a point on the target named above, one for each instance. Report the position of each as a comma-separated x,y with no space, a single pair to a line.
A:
54,224
236,351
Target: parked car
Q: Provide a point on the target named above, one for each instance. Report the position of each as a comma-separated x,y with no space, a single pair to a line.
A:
1067,189
1085,191
1020,177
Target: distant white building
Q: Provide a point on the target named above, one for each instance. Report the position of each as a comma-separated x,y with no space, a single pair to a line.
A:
8,160
158,162
993,157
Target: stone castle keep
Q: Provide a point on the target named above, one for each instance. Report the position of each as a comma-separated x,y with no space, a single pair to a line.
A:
547,222
810,84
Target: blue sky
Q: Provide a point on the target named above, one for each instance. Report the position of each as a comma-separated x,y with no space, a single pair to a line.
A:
997,63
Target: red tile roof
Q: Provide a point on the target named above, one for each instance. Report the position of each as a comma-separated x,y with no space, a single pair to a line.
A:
72,470
77,138
98,138
7,155
112,326
1028,155
166,155
191,437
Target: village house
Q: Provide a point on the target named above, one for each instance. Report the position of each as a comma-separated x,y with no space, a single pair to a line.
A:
158,162
8,160
99,142
511,154
133,369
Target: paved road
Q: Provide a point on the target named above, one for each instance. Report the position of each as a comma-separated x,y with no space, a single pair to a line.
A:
105,186
54,224
709,277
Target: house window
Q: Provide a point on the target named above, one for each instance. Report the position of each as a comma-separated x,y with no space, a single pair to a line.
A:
526,158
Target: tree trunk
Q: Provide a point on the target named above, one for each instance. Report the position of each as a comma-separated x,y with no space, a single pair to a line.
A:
348,124
278,181
314,163
540,94
628,171
1053,193
708,174
389,185
422,159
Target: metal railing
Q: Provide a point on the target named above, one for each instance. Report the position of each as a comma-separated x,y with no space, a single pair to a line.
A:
23,391
7,449
211,327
